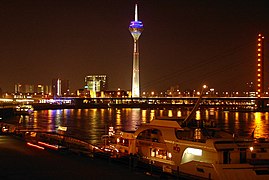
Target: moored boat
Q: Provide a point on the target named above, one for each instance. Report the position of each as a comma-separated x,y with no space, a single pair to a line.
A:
24,110
196,152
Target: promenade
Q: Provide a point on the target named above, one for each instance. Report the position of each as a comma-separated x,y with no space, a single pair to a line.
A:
20,161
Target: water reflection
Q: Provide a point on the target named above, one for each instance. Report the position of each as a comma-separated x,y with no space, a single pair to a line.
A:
259,125
91,124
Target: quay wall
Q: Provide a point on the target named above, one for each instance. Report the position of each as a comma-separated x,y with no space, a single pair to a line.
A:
6,112
138,105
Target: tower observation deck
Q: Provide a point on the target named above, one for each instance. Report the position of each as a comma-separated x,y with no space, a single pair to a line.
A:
136,28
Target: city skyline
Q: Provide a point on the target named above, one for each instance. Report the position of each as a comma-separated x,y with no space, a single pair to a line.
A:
185,43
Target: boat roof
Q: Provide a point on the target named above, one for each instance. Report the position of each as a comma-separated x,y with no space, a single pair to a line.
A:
164,123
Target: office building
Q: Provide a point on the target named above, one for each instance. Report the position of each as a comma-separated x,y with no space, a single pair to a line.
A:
95,84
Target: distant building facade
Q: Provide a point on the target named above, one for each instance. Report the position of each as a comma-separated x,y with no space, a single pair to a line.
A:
95,84
60,87
32,89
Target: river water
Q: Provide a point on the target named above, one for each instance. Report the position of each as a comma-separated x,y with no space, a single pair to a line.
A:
91,124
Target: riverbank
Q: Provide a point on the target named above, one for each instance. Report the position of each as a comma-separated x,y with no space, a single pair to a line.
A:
19,161
39,155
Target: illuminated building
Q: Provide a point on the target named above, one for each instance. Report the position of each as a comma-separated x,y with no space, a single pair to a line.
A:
29,88
60,87
24,88
43,89
40,89
18,88
136,28
47,90
56,87
260,65
95,83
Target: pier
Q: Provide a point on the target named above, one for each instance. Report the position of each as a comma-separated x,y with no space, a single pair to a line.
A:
58,156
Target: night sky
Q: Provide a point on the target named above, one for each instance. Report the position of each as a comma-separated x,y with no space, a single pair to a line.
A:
186,43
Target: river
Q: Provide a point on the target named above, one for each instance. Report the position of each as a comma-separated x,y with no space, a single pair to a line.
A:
91,124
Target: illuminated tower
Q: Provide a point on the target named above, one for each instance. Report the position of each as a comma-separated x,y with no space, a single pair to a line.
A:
136,28
260,65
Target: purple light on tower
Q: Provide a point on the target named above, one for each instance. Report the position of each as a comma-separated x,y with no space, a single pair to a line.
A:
136,28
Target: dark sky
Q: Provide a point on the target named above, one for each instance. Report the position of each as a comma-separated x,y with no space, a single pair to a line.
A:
185,43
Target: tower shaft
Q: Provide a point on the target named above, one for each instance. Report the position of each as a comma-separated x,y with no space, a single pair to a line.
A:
135,79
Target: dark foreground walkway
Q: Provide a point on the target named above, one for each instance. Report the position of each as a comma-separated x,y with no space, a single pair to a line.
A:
20,161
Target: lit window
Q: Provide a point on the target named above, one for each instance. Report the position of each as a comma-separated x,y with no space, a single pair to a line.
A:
259,59
259,54
259,44
194,151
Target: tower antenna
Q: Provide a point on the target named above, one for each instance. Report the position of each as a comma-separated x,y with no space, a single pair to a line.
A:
136,13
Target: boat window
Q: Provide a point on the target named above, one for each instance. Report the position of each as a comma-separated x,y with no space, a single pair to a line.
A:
200,170
226,157
160,153
123,141
192,154
184,134
243,156
153,135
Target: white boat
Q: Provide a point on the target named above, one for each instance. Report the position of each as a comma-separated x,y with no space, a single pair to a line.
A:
24,110
195,152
